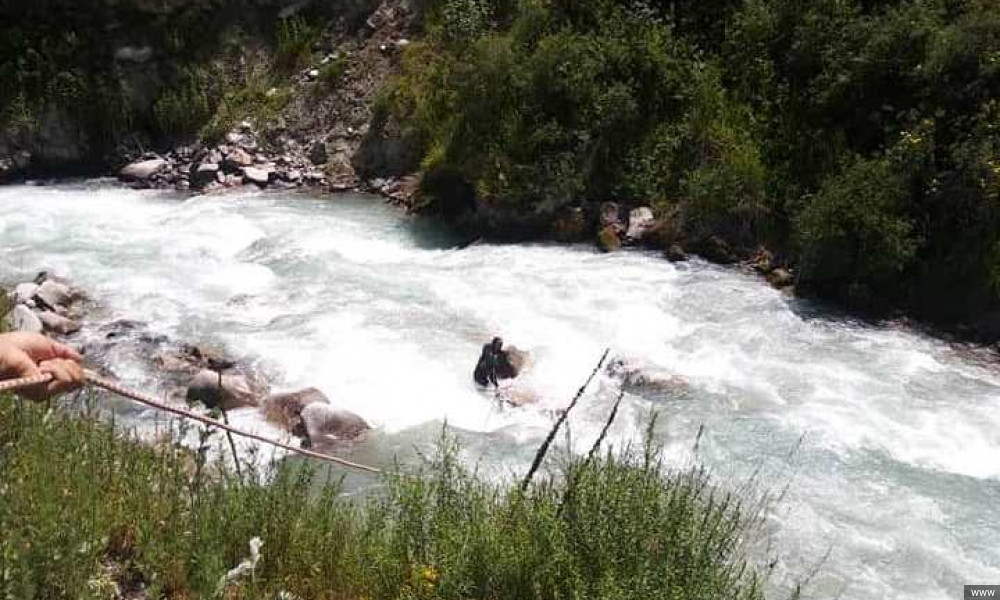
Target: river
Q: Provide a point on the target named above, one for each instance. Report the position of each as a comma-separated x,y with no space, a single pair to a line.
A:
887,441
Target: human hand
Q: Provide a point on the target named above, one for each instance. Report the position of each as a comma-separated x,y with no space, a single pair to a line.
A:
32,354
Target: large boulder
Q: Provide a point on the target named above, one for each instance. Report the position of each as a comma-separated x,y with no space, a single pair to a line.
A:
286,409
23,319
258,176
57,323
639,377
142,170
236,391
323,423
641,221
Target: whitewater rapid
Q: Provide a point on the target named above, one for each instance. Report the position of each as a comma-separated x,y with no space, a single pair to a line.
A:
887,441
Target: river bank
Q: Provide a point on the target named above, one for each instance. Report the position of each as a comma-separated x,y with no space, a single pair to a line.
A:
86,510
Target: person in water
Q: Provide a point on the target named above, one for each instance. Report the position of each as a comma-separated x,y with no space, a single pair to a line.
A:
494,364
32,354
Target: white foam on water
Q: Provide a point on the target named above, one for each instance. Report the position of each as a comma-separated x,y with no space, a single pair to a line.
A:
897,475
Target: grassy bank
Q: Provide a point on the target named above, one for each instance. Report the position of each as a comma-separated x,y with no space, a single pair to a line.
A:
85,511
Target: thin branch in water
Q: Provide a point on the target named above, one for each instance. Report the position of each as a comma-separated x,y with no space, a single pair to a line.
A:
544,448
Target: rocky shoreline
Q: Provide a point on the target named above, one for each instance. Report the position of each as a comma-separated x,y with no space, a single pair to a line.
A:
190,374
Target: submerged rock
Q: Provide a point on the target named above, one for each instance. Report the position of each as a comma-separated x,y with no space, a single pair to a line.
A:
324,423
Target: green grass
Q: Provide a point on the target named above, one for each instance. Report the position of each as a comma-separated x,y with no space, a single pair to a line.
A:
83,509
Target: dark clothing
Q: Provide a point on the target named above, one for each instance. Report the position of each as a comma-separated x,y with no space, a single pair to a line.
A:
486,368
492,366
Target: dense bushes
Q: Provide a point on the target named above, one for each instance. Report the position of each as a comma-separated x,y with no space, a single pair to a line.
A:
859,138
85,512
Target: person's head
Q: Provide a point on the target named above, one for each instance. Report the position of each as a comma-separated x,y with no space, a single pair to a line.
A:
497,344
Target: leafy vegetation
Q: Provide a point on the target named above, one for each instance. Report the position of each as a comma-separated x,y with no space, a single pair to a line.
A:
85,510
858,138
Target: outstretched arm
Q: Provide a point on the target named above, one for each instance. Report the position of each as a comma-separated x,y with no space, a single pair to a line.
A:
31,354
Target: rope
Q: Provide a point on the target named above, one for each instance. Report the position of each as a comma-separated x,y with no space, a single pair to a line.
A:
147,400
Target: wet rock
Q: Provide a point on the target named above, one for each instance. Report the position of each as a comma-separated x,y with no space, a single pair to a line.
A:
23,318
716,250
236,391
675,253
324,423
204,174
636,376
640,222
257,175
286,409
57,323
781,278
762,261
608,240
142,170
570,227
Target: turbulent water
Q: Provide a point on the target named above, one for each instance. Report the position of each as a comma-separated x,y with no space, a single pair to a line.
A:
888,442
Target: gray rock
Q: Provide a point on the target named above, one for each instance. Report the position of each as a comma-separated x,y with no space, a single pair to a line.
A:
293,175
142,170
23,293
54,294
640,222
324,423
23,319
610,214
676,253
257,175
236,390
204,174
57,323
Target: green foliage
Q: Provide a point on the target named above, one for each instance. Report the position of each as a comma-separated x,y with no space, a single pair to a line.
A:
293,49
183,109
784,122
83,509
855,236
